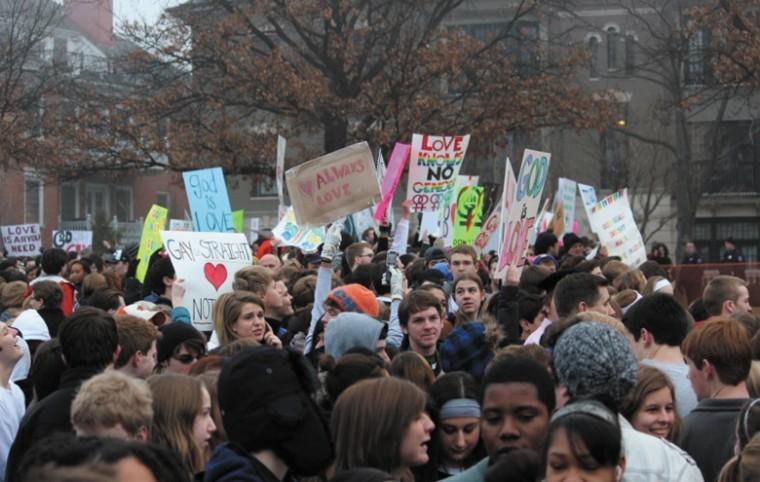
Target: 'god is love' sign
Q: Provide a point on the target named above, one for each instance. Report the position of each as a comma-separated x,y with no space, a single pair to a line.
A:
333,186
208,263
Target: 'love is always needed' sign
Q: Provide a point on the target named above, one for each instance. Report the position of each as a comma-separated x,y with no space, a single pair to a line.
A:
208,263
333,186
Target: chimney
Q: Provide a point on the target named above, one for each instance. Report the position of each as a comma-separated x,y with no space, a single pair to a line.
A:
94,18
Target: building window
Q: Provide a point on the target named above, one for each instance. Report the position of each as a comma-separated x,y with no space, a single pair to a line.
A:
709,235
612,48
60,51
630,55
593,47
697,61
264,188
614,146
33,201
123,203
69,202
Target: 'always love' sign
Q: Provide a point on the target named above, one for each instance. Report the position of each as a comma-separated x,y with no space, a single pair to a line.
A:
208,263
333,186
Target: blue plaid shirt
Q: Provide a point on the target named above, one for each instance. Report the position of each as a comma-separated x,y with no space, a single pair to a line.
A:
466,349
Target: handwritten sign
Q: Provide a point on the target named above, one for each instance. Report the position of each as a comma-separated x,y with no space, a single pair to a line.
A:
209,201
22,239
72,241
521,212
433,169
291,234
399,158
449,207
566,195
238,220
333,186
588,196
208,263
150,241
617,228
279,168
180,225
468,219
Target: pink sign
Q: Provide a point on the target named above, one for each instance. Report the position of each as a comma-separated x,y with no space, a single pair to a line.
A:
399,156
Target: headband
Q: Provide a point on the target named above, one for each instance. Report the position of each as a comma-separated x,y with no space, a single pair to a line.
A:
587,407
746,418
460,407
630,305
663,283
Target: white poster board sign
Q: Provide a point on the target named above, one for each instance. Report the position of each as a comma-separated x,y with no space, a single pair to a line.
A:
72,241
617,228
566,195
22,239
208,263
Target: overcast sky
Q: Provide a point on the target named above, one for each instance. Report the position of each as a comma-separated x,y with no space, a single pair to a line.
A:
139,10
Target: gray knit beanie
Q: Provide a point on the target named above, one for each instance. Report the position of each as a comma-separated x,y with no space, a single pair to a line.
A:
593,360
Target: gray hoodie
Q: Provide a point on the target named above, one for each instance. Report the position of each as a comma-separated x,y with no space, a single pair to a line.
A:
349,330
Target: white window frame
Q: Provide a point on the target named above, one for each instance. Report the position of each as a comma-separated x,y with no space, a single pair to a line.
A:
77,198
31,177
131,202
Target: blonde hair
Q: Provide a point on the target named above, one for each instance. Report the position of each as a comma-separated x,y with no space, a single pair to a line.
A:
177,400
110,399
227,310
12,294
753,380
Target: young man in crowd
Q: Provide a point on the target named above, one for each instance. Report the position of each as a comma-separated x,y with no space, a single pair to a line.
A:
659,325
137,339
719,356
421,317
358,254
725,295
463,259
53,262
593,361
546,243
89,343
517,401
113,405
271,262
579,292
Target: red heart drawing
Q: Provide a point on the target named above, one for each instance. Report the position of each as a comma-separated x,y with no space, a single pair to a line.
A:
307,188
216,275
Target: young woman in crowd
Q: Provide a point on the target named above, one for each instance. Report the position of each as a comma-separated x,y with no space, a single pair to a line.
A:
584,442
76,270
382,423
179,348
741,468
412,366
651,405
182,418
469,295
455,410
240,314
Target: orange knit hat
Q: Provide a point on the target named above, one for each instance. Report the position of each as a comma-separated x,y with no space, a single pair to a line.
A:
355,298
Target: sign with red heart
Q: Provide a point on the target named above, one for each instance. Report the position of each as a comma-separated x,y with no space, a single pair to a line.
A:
215,274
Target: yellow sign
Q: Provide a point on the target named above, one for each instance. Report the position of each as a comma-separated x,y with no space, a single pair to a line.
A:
150,240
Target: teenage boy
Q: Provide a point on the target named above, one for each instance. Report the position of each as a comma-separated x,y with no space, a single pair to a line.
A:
53,262
581,292
725,295
719,356
137,339
517,401
421,317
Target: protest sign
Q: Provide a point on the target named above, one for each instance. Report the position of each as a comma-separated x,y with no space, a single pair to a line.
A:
208,263
617,228
150,241
486,241
399,157
448,209
238,220
362,221
429,225
433,169
333,186
520,217
279,169
291,234
588,196
180,225
566,196
209,201
72,241
468,218
22,239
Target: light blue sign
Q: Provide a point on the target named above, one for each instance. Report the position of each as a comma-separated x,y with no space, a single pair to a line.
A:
209,201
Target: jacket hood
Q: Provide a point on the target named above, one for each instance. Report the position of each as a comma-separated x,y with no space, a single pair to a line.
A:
349,330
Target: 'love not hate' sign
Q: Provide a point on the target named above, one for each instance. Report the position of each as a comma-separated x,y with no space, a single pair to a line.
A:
333,186
208,263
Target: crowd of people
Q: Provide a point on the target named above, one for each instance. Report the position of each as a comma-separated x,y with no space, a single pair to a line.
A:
377,359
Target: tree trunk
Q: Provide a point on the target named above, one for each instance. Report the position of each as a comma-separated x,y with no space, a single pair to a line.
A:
336,132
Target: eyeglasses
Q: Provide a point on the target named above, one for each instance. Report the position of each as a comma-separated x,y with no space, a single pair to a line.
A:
187,358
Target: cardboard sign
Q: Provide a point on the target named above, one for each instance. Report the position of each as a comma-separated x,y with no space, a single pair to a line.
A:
22,239
291,234
520,217
180,225
468,218
279,168
433,169
448,210
566,195
209,201
150,241
333,186
208,263
72,241
588,196
399,158
617,228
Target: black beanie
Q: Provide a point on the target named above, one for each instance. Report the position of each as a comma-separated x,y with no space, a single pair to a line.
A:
172,335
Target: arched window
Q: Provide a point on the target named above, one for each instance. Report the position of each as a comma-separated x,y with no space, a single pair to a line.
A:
593,47
612,47
630,54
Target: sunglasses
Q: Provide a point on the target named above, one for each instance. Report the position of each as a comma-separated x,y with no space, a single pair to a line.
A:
187,358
